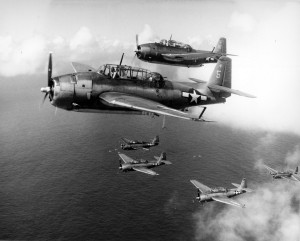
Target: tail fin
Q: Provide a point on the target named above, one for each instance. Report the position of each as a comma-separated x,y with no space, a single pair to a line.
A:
221,47
296,170
162,157
243,185
221,76
155,140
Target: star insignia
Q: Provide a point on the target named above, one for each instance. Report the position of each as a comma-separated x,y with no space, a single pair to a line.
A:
194,96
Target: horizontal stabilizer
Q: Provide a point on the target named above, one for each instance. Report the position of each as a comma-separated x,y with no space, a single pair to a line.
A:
238,185
198,80
229,90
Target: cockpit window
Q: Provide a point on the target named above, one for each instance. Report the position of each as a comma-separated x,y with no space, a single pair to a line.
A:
174,43
125,72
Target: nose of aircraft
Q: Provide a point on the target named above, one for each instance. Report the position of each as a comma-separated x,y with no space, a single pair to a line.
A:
142,50
49,89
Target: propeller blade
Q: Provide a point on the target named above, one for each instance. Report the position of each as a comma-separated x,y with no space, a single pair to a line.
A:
137,40
45,98
50,70
133,58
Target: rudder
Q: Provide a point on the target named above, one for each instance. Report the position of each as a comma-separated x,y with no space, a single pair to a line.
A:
222,75
155,140
221,47
243,185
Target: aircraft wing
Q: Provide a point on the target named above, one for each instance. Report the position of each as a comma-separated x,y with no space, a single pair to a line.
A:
270,169
189,56
126,140
145,170
78,67
125,158
200,186
226,200
296,178
292,178
141,104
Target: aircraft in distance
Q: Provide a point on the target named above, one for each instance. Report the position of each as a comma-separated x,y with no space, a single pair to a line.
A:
124,89
171,52
134,144
289,175
221,194
142,165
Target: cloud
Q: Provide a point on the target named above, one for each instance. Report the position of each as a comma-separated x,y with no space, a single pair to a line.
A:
293,158
82,39
30,55
147,35
242,21
23,57
272,213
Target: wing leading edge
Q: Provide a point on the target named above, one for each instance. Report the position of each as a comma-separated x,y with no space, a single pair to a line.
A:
145,170
125,158
141,104
226,200
200,186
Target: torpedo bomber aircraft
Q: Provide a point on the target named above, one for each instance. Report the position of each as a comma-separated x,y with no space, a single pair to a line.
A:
129,90
136,144
220,194
171,52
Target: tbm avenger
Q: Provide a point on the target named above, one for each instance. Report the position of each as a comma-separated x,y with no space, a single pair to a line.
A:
220,194
175,53
289,175
142,165
135,144
128,90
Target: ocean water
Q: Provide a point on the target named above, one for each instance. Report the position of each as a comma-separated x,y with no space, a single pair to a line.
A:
60,180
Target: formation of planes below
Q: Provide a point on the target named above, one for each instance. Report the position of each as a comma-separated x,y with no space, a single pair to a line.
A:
142,165
289,175
221,194
135,144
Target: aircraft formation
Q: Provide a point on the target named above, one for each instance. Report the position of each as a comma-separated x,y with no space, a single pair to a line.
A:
123,89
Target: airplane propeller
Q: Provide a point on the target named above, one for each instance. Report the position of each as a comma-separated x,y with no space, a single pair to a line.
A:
138,47
48,90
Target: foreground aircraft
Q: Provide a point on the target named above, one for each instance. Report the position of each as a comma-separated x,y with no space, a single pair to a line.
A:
129,90
171,52
221,194
134,144
142,165
283,174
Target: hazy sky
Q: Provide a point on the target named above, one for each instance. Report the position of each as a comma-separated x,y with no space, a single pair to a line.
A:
265,35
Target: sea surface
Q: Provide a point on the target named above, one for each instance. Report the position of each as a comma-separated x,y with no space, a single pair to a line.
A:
59,177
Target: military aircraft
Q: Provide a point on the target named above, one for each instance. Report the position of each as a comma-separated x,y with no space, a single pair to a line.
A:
134,144
142,165
171,52
221,194
289,175
117,88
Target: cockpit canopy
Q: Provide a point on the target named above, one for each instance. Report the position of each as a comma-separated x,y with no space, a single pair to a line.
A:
174,43
128,72
219,189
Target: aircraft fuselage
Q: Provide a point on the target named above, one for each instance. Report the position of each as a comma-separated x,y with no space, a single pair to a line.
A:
158,53
81,91
207,197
